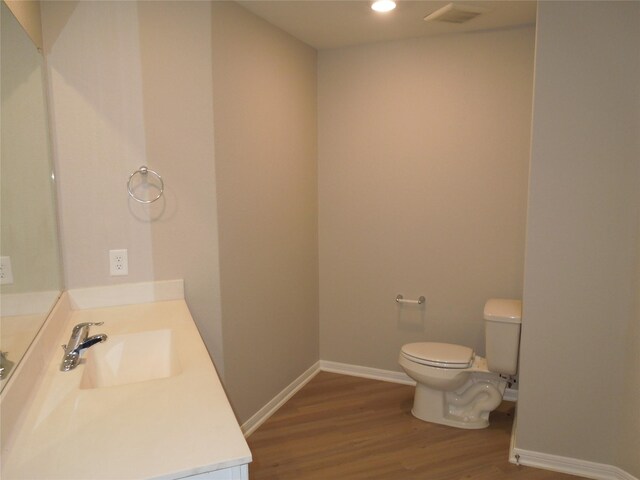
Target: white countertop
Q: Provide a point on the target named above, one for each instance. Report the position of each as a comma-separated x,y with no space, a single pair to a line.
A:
164,428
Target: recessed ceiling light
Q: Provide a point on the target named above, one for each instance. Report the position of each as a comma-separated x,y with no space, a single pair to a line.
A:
383,5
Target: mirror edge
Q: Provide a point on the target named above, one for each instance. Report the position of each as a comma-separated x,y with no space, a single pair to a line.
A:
28,15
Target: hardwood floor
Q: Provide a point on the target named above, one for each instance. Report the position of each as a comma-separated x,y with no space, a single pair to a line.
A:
343,427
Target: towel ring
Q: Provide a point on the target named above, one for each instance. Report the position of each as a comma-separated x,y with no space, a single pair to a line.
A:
144,171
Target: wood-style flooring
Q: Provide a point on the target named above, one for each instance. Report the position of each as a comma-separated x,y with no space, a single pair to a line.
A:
339,427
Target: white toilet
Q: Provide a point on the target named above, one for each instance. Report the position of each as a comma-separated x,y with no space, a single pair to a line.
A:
455,387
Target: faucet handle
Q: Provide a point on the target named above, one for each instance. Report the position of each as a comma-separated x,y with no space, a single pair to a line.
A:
80,326
88,324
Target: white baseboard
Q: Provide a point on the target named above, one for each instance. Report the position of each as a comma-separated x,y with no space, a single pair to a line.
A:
366,372
276,402
572,466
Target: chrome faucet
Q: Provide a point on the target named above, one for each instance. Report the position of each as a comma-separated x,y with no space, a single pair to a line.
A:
79,341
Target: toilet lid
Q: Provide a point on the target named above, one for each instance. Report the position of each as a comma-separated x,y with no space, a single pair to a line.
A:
443,355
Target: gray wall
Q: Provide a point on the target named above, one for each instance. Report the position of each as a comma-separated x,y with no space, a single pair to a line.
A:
264,86
580,374
117,103
125,93
423,163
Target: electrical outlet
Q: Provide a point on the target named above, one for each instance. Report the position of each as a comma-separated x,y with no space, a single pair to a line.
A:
118,262
6,274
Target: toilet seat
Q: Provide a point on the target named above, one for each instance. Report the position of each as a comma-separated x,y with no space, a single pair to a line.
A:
442,355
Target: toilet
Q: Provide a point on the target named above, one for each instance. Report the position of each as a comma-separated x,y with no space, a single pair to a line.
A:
456,387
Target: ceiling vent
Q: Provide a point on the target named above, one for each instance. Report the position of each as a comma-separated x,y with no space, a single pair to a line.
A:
455,13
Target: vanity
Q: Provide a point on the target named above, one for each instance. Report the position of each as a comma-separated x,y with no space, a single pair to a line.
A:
146,403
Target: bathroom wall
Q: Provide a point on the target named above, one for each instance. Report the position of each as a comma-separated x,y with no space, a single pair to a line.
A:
140,84
580,374
179,126
264,92
99,137
423,164
118,104
125,93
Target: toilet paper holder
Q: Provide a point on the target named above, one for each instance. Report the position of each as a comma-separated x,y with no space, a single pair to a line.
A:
419,301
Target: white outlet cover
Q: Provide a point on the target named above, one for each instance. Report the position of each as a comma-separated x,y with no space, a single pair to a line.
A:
6,273
118,262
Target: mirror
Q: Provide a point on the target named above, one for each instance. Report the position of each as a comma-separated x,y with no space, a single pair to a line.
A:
30,276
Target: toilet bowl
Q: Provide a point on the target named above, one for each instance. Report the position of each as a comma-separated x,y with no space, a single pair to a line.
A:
454,395
456,387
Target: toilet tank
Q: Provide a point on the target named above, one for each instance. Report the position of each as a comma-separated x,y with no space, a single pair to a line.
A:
502,319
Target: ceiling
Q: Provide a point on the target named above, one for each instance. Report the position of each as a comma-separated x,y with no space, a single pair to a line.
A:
340,23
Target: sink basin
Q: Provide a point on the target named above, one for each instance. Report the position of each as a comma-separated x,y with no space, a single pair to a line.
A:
130,358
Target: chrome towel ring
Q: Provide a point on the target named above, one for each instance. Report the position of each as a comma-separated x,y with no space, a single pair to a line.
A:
144,171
